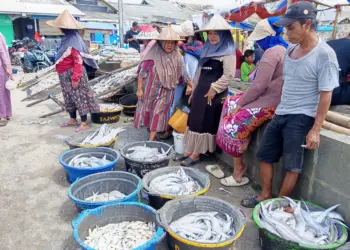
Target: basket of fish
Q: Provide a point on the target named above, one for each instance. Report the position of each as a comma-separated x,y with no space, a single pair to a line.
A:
82,162
170,183
109,113
290,224
128,225
145,156
105,136
116,97
201,222
104,189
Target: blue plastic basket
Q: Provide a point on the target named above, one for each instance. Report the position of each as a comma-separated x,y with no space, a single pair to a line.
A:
106,182
75,173
129,211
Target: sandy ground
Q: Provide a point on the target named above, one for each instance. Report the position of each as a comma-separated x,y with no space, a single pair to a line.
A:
36,211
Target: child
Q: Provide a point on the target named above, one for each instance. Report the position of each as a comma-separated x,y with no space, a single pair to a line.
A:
248,65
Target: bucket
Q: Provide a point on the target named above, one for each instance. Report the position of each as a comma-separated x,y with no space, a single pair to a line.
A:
176,209
178,143
75,173
129,103
74,141
106,117
124,182
157,201
140,167
179,121
270,241
117,213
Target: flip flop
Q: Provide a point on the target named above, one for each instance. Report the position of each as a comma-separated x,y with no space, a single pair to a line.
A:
80,129
215,170
179,157
3,123
231,182
67,124
250,202
190,162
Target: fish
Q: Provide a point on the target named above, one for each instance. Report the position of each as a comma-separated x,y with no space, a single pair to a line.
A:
114,195
204,227
175,183
303,225
120,236
88,161
102,136
146,154
113,107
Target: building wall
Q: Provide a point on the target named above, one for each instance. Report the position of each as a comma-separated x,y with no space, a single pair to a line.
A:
6,28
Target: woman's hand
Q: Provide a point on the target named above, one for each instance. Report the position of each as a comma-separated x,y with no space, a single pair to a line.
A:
139,94
190,98
75,84
236,110
9,73
188,90
211,94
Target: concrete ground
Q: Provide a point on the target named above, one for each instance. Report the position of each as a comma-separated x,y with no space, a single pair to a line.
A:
36,211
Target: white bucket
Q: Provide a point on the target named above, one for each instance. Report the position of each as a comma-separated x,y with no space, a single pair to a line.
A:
178,143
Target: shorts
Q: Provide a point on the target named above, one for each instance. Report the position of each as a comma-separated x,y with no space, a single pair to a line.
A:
284,136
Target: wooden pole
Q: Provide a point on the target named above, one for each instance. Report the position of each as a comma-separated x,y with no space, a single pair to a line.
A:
335,128
237,36
338,119
335,25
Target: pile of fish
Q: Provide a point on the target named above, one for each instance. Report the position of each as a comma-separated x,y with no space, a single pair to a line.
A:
120,236
114,195
88,161
119,54
45,83
204,227
114,80
146,154
300,224
33,76
102,136
110,107
176,183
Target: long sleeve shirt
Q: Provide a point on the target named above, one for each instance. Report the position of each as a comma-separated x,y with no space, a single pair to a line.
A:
72,61
4,54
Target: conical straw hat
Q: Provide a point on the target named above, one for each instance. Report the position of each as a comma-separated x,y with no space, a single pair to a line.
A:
217,22
147,33
187,28
168,34
65,21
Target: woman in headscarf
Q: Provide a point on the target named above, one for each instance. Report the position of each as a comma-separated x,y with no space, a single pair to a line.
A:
159,72
72,58
5,74
244,113
146,36
216,70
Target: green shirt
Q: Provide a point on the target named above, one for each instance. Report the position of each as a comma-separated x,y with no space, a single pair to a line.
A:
245,70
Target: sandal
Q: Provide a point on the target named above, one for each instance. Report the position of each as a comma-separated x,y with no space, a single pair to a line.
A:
189,162
179,157
67,124
215,170
3,123
250,202
165,136
231,182
81,129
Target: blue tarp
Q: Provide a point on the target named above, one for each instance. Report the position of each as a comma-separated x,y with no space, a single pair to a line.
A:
98,26
326,28
243,26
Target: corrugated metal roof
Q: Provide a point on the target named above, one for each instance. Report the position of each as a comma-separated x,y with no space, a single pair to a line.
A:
100,17
49,9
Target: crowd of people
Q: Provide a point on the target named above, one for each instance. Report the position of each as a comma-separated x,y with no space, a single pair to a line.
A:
292,86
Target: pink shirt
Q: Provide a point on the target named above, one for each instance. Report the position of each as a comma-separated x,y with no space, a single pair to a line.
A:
266,89
4,53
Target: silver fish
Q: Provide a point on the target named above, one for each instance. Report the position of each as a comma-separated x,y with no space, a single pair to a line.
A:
204,227
177,183
88,161
114,195
146,154
102,136
120,236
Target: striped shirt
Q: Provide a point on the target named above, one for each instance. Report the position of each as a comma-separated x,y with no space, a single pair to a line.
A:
305,78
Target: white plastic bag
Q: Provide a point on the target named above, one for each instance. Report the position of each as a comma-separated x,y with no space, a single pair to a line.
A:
10,84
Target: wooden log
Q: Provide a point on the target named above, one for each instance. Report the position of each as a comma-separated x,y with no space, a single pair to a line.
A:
335,25
38,101
338,119
335,128
52,113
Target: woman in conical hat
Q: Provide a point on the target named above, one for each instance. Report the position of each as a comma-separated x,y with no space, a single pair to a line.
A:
72,60
216,70
159,73
147,36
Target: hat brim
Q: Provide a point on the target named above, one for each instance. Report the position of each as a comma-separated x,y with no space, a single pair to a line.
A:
256,36
284,21
168,39
52,24
206,30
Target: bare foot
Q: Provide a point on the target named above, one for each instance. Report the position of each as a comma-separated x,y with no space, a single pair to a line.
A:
238,174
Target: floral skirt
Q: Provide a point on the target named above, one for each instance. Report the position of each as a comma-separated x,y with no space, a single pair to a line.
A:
235,130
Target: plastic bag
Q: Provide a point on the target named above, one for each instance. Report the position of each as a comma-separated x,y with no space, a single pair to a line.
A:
10,84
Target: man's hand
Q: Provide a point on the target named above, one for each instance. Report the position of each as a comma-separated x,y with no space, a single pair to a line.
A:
139,94
313,139
75,84
211,94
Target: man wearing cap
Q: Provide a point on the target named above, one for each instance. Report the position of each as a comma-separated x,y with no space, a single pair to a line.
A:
130,37
310,75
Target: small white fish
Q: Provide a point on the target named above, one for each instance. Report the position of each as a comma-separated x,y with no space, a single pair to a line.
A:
114,195
88,161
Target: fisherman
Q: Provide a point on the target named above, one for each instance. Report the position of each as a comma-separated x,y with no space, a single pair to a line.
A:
72,56
130,37
310,75
341,94
160,71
